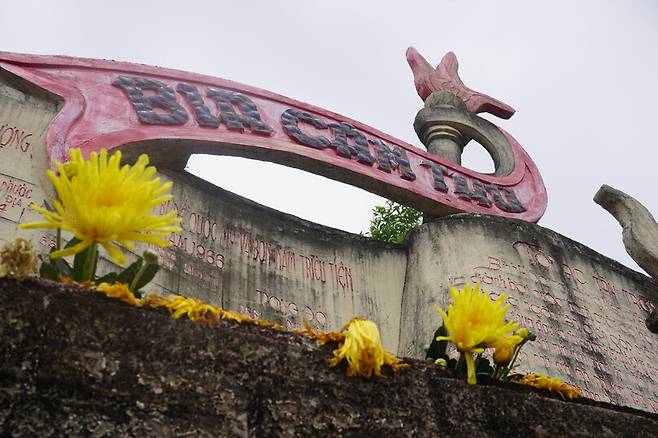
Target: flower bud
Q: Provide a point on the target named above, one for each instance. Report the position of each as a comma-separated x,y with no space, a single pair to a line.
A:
523,332
150,257
441,362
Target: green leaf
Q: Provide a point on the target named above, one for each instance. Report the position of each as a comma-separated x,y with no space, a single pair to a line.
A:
127,275
483,365
392,222
437,349
63,267
149,271
49,271
483,378
79,261
483,370
107,278
74,241
460,365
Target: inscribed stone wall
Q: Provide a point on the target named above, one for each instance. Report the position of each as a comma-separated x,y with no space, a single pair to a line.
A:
231,252
24,118
587,311
271,265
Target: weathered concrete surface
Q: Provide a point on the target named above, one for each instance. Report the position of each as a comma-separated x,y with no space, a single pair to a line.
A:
77,363
24,117
640,233
588,311
273,265
231,252
261,262
640,230
652,321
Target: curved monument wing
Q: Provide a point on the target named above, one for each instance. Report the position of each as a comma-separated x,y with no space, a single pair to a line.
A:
175,114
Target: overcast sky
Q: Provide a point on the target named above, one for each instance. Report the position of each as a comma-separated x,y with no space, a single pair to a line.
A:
582,76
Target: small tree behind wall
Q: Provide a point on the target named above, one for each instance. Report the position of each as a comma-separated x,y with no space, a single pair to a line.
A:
392,222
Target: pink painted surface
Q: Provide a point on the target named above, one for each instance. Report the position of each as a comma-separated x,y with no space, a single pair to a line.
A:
98,114
445,78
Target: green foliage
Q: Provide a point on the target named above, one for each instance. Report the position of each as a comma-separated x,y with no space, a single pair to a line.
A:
392,222
137,275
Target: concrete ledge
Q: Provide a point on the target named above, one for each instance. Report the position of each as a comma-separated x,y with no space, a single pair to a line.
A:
76,363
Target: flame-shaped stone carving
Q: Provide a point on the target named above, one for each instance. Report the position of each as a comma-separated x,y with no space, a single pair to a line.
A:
445,77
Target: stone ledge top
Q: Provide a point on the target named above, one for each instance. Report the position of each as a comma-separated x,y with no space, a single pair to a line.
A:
77,363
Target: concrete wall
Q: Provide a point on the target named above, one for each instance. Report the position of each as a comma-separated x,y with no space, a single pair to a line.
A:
139,372
272,265
24,117
231,252
588,311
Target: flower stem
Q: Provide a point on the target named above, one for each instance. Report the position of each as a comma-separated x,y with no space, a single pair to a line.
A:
138,276
509,367
460,362
470,369
89,268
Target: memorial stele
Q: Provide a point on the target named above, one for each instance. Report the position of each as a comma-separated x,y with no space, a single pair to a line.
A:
588,310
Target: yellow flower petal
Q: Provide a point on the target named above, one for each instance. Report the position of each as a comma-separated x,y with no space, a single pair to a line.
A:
119,291
552,384
71,250
101,201
474,322
362,349
504,348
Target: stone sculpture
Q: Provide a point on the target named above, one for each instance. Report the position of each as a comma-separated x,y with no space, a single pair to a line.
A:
449,118
640,233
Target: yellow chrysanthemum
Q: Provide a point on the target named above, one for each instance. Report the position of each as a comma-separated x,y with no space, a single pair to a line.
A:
504,349
102,202
363,350
119,291
551,383
194,309
474,322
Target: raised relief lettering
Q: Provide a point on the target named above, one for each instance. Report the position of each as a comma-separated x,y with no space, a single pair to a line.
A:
169,111
202,113
360,151
477,194
390,158
227,101
290,120
512,205
438,173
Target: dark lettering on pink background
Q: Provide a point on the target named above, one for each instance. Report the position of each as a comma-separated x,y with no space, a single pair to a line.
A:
146,104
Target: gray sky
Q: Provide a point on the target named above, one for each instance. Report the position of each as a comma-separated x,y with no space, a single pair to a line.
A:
582,76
